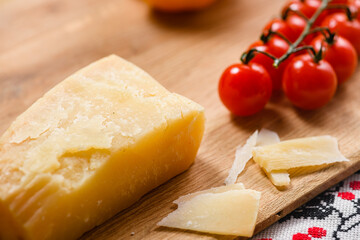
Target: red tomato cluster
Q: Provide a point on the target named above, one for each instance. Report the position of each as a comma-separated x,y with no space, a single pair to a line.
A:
308,80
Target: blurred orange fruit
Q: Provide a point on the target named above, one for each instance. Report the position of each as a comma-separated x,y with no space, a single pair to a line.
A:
179,5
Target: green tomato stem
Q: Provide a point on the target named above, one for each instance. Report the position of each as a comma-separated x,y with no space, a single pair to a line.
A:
247,56
294,47
325,31
289,9
307,29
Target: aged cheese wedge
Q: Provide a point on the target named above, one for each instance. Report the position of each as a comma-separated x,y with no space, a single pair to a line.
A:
92,146
301,152
230,212
242,155
279,178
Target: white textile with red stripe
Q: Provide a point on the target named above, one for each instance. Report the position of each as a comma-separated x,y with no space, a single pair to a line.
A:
334,214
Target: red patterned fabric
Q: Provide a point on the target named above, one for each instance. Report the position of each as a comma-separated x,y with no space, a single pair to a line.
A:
335,214
317,232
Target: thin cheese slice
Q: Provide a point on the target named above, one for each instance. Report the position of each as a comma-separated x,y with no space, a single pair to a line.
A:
242,155
92,146
278,178
232,212
300,152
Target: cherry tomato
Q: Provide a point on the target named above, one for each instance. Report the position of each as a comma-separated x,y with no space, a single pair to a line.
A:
276,47
291,28
340,24
280,26
297,25
245,89
307,7
340,54
350,4
309,85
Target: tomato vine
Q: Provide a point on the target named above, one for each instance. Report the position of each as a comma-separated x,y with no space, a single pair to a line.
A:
284,43
294,47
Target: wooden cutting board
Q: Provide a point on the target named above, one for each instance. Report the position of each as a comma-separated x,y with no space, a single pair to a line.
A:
43,41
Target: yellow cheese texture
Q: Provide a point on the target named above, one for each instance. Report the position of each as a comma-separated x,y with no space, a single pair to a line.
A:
92,146
279,178
226,210
296,153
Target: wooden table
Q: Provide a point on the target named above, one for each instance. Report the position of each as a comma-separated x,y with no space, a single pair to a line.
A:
43,41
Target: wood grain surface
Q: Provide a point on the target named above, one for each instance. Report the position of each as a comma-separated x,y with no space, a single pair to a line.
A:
43,41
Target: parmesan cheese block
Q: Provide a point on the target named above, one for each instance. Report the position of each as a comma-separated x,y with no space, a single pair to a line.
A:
92,146
301,152
230,210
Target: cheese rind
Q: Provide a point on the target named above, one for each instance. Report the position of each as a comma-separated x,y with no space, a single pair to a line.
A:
299,152
232,212
92,146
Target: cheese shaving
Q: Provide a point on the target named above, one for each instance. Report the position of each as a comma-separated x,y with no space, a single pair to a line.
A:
227,210
301,152
267,137
279,178
242,155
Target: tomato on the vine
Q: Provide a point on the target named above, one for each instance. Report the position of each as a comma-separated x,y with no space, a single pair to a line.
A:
340,54
276,47
280,26
340,24
309,85
351,5
307,7
298,24
245,88
291,27
309,82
